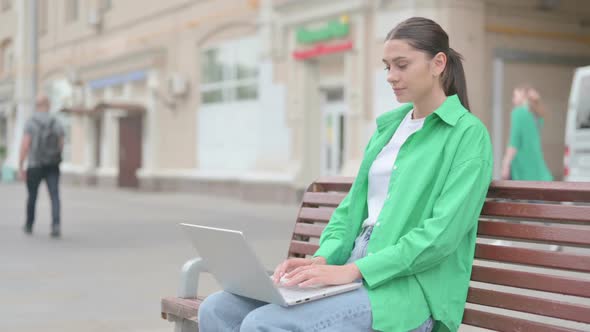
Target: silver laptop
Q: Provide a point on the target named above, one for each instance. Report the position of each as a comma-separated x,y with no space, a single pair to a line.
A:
236,267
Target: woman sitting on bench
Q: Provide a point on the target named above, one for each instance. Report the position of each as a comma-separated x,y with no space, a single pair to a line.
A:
408,226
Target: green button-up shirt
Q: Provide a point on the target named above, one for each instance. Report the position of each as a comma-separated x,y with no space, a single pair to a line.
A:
421,250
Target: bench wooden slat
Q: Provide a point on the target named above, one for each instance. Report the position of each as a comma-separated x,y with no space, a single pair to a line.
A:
561,234
323,199
530,304
301,247
180,307
334,183
531,280
559,260
544,191
316,214
503,323
553,212
308,230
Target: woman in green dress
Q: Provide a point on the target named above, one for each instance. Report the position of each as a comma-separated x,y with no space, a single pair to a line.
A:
524,157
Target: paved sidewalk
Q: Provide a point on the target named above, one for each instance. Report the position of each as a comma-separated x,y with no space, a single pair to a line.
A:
121,251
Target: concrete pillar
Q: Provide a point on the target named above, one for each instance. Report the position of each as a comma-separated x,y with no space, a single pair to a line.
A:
24,76
356,80
465,26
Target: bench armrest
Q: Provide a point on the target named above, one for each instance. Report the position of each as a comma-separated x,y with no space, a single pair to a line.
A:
189,277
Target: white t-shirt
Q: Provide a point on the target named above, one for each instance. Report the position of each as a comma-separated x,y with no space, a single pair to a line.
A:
384,164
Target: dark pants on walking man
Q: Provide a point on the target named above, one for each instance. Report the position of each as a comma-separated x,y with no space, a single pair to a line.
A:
35,176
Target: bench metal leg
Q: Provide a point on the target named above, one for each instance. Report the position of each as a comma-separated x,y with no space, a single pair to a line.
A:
183,325
189,277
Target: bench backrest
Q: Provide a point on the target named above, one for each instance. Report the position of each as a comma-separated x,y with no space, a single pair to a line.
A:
520,286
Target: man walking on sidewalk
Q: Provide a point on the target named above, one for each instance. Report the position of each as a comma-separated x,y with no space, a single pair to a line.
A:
42,146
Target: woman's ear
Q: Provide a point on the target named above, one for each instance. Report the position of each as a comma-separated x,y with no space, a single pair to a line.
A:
438,64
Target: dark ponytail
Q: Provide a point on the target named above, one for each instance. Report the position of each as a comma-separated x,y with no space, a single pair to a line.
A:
426,35
453,77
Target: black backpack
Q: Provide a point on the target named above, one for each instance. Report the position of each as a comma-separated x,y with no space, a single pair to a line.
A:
48,143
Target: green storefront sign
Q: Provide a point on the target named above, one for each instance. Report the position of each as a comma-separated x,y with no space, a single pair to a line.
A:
332,30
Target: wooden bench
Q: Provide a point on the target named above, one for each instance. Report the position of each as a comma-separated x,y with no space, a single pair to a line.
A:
519,286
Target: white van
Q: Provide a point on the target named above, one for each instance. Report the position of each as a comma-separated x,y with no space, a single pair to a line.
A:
577,130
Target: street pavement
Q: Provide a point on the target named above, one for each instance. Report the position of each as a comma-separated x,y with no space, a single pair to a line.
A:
120,253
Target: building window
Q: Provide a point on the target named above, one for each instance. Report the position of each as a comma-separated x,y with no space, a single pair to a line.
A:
72,9
6,5
43,16
229,72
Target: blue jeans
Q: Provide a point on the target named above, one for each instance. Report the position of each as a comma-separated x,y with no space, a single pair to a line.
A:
34,177
347,312
224,311
360,245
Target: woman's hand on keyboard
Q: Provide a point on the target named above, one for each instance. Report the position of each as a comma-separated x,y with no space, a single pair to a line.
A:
312,275
291,264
